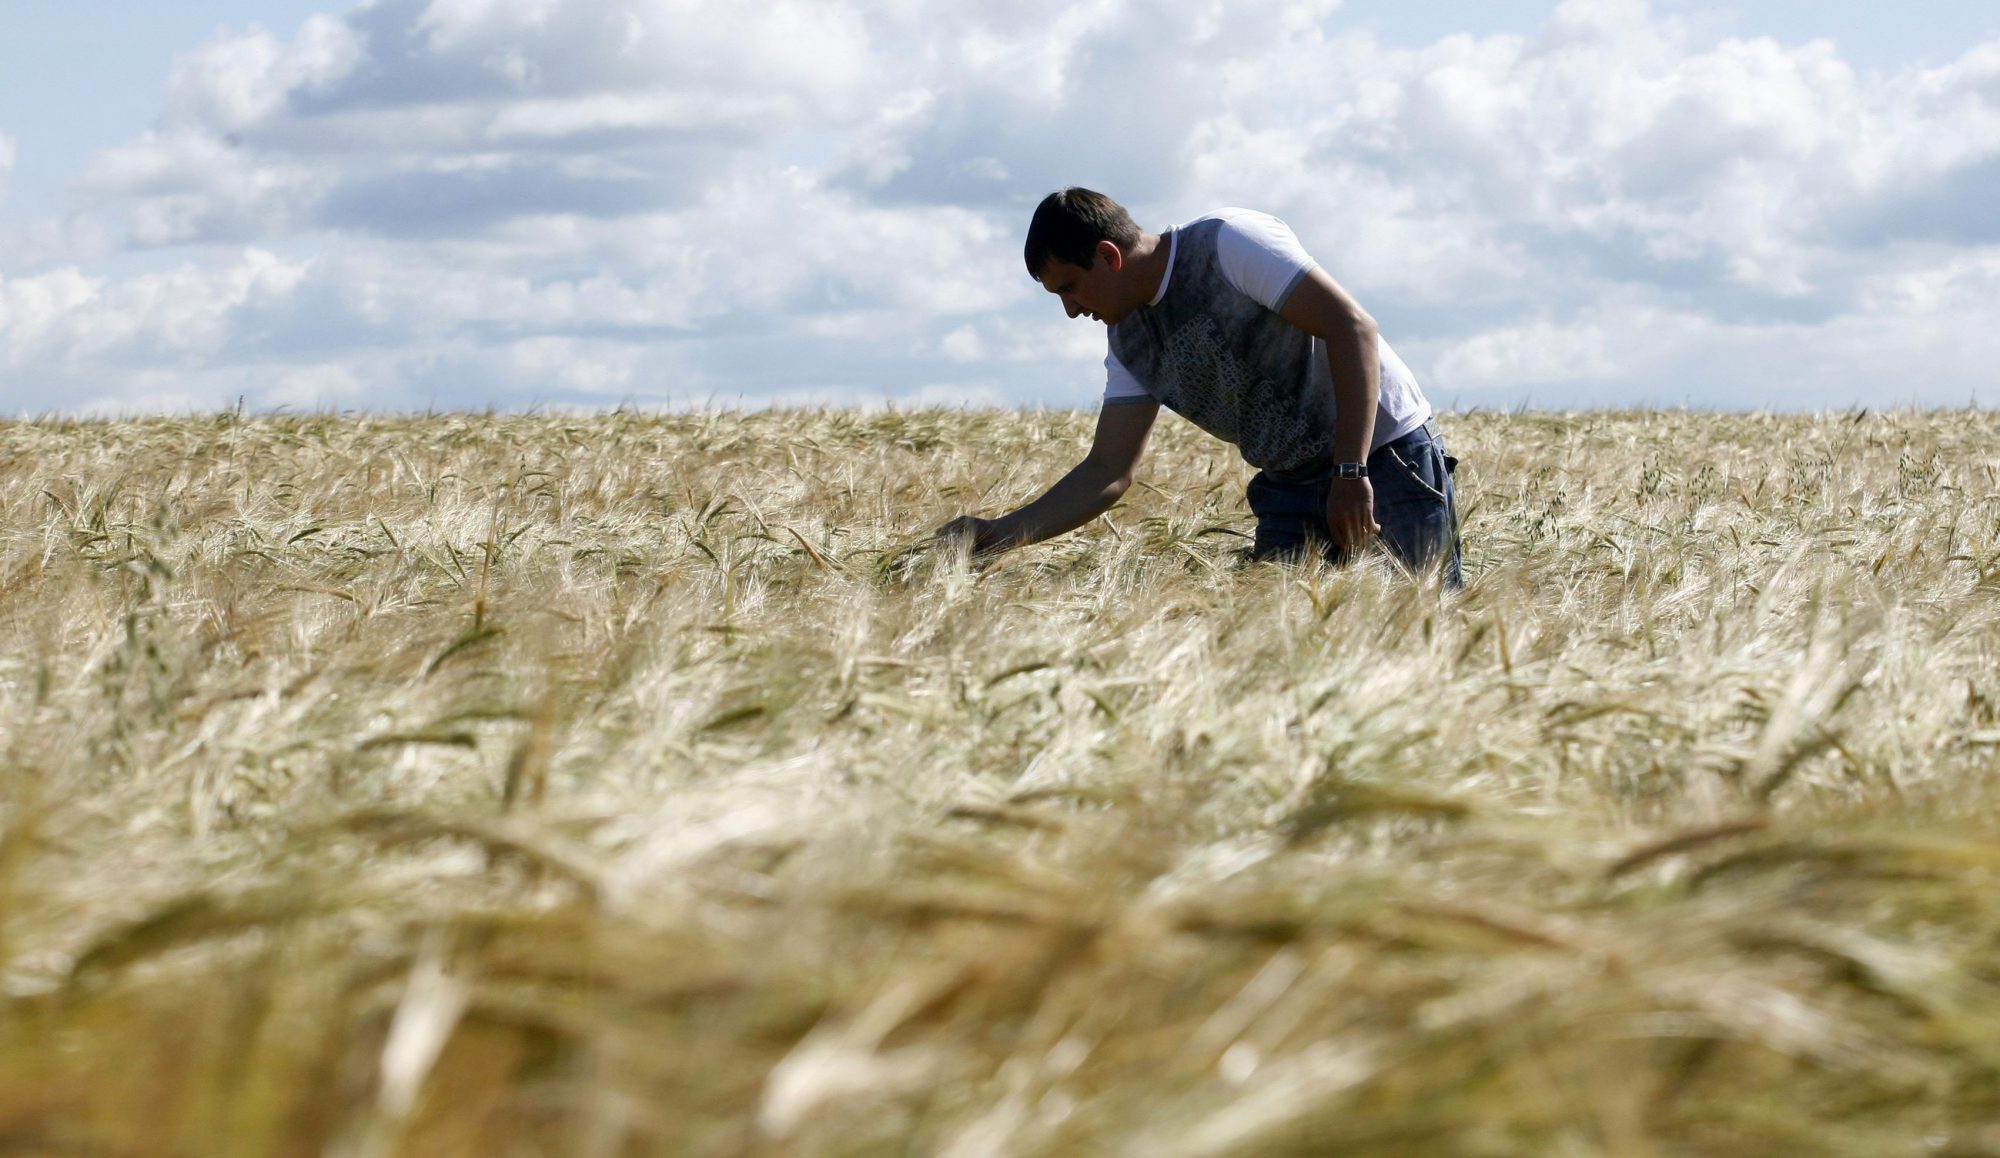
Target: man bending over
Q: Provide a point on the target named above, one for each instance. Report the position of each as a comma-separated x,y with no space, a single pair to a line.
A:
1226,321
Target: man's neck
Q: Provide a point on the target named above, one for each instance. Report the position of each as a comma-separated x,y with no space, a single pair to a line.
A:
1148,261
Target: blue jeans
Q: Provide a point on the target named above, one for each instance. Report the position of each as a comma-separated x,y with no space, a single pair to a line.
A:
1414,502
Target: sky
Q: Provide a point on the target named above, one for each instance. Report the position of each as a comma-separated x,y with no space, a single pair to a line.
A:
404,205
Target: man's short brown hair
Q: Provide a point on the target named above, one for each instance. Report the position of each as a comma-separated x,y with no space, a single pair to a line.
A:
1069,223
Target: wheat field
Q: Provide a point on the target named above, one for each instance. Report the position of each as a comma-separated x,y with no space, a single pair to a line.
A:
463,785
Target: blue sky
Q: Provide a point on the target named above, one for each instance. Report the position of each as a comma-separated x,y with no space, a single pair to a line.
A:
509,203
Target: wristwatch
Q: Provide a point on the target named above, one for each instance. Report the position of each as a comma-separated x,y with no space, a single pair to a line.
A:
1351,470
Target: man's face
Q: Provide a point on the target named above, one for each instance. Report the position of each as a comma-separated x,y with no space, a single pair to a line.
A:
1095,293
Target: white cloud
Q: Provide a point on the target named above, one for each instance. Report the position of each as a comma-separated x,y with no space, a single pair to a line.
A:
606,369
322,386
177,186
7,148
1534,352
963,345
795,60
150,394
236,83
32,307
501,201
183,317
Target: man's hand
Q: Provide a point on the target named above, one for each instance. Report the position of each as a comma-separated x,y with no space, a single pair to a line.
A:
980,537
1350,514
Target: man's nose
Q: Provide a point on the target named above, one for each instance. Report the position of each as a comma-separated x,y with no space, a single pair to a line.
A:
1071,308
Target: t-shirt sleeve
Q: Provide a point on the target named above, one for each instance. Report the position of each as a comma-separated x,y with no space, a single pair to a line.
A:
1120,387
1262,257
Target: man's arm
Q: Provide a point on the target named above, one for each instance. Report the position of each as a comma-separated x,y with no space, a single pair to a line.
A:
1321,308
1091,488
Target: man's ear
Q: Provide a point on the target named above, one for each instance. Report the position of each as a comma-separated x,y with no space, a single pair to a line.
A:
1109,253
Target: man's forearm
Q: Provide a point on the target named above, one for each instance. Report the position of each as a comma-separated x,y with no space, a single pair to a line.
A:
1086,492
1355,362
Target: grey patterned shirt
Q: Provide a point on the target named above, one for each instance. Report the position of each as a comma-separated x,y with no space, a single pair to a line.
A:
1209,350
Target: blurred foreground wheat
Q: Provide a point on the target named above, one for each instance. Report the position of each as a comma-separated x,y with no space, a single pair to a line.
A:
493,786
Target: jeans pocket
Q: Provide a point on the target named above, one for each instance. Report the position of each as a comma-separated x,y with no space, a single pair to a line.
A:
1415,477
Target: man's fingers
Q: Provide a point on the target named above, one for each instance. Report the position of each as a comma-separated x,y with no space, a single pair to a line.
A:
1353,530
964,530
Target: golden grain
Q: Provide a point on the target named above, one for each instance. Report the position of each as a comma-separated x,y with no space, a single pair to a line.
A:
471,785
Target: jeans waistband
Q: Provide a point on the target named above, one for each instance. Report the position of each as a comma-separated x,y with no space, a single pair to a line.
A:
1429,430
1321,468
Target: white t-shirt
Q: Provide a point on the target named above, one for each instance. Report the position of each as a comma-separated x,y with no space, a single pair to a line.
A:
1256,256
